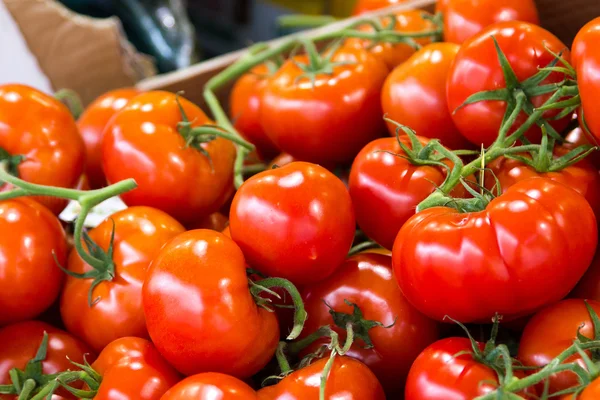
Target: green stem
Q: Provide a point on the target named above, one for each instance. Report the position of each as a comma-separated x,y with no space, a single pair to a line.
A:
28,388
282,361
362,246
299,345
207,130
254,168
72,100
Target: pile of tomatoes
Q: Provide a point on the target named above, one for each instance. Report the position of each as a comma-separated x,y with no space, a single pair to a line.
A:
409,212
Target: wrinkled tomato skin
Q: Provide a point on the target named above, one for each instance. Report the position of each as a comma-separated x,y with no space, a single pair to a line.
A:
471,266
367,281
209,386
140,232
386,189
551,331
476,68
589,285
29,276
132,369
294,222
330,120
364,6
41,128
348,379
465,18
414,94
196,298
142,142
20,342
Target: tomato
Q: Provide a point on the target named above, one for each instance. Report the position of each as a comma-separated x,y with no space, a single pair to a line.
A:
132,369
473,265
329,120
196,298
578,137
142,142
476,68
140,232
414,94
244,103
91,125
441,5
281,160
386,189
29,276
551,331
209,386
589,285
47,138
294,222
215,221
409,21
465,18
363,6
366,280
19,343
591,392
348,379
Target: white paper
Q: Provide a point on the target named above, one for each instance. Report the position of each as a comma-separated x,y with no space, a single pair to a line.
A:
96,215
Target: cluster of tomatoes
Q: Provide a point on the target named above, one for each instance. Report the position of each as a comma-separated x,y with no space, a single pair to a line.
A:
390,217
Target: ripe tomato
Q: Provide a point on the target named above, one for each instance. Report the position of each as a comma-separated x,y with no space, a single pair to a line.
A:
348,379
473,265
132,369
244,103
578,137
364,6
215,221
476,68
199,311
551,331
366,280
465,18
209,386
394,54
589,285
386,189
329,120
142,142
591,392
294,222
47,138
91,125
441,5
414,94
140,232
29,277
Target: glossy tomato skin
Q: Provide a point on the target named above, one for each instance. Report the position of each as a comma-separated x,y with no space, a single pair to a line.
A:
29,277
476,68
196,298
294,222
211,385
140,232
41,128
215,221
91,125
20,342
471,266
244,103
142,142
364,6
465,18
591,392
327,122
589,285
366,280
580,136
348,379
414,94
132,369
386,189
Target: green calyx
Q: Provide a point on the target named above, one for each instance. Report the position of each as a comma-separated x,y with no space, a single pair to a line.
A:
11,161
318,64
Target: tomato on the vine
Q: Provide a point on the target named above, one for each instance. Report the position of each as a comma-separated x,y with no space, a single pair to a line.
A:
209,386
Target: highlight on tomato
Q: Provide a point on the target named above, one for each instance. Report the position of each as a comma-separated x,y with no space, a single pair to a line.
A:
210,385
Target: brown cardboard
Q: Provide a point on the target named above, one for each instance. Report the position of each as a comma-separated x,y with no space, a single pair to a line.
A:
564,18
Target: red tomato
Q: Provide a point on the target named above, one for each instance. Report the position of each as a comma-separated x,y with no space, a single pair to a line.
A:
209,386
364,6
348,379
294,222
132,369
215,221
47,138
386,189
29,277
465,18
476,69
473,265
329,120
244,103
414,94
140,232
91,125
366,280
20,342
578,137
196,298
591,392
551,331
142,142
589,285
281,160
441,5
